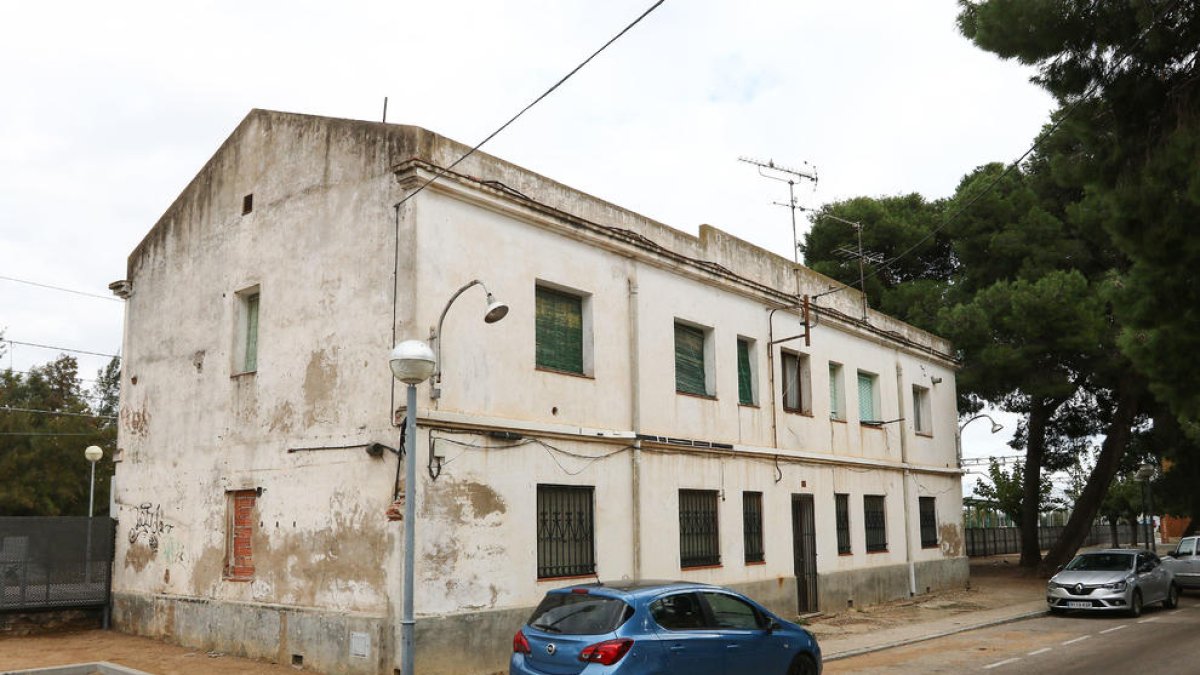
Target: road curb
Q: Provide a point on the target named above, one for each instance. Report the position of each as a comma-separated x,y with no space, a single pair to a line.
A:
932,636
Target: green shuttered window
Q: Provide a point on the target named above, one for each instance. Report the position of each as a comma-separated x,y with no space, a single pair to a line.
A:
559,331
250,363
745,381
866,398
689,360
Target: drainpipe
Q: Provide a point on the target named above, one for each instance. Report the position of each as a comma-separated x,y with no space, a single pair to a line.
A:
906,477
635,421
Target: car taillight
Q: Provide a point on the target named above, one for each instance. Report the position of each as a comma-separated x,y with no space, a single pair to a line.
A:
606,653
520,644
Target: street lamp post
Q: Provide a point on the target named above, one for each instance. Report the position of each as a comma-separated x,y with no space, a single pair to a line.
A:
1144,475
495,311
92,454
412,363
996,426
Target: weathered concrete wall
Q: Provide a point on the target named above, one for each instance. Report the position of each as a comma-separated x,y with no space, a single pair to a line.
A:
862,587
321,639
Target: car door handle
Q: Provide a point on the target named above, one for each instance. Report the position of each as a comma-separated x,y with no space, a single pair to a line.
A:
731,646
676,648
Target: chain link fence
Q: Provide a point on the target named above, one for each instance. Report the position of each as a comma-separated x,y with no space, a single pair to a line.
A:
55,562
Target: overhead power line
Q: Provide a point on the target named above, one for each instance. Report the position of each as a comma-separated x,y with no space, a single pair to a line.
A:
60,288
60,349
6,408
1037,143
444,170
50,433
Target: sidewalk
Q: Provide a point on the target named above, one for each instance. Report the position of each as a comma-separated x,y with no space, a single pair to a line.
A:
1000,592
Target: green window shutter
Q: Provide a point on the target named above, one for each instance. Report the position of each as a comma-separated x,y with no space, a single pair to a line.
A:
559,331
866,398
689,360
835,405
745,385
251,362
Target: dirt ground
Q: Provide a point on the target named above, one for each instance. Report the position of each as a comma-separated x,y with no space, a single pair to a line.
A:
995,582
152,656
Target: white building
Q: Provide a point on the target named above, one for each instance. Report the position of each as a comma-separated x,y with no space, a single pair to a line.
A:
644,410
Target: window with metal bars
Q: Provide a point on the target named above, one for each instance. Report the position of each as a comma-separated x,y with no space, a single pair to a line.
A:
752,526
558,330
868,405
565,531
875,523
797,388
699,534
929,535
690,375
744,372
842,504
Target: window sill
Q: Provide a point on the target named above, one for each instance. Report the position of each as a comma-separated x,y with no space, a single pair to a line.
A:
925,434
882,550
568,373
839,420
748,405
798,411
755,563
847,554
929,546
245,373
871,425
706,397
571,576
701,567
237,579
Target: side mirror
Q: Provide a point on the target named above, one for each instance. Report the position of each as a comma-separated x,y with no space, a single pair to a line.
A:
773,626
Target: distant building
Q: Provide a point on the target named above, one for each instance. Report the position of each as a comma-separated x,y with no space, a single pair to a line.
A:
648,408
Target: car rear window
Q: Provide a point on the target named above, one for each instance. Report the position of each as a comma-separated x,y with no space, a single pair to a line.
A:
579,614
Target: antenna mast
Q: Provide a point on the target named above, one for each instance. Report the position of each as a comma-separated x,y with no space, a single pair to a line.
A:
769,169
849,253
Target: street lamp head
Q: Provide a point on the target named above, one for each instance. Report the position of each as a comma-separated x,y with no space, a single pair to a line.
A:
412,362
996,426
93,453
496,310
1145,472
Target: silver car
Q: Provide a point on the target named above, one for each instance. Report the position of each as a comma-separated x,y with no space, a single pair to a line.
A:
1184,562
1112,580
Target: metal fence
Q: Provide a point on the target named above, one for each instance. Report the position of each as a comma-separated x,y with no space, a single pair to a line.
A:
983,541
55,563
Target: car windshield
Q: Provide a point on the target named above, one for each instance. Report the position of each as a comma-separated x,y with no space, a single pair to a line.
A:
1101,562
579,614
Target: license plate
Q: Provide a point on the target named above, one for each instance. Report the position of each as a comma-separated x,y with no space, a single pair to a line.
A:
1079,605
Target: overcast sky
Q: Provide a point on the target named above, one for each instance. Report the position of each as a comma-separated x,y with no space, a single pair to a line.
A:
111,108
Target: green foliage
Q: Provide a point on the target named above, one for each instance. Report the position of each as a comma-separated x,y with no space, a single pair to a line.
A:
41,453
1006,489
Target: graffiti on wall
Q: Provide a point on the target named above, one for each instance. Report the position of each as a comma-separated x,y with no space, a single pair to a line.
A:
149,524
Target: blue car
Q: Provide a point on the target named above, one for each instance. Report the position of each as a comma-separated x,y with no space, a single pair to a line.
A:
659,628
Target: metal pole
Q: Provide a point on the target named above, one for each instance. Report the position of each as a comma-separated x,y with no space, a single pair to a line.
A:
87,560
407,622
1153,534
795,241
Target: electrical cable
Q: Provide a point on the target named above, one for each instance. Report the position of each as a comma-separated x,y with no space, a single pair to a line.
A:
61,349
5,408
1038,142
442,171
60,288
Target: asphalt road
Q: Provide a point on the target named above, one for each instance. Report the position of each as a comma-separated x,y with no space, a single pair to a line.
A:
1161,641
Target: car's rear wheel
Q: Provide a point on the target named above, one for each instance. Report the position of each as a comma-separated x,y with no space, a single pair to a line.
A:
1135,605
1172,600
803,664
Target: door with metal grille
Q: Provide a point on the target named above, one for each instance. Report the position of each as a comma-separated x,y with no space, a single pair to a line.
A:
804,549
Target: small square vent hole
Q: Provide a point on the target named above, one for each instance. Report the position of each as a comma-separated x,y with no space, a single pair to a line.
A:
247,203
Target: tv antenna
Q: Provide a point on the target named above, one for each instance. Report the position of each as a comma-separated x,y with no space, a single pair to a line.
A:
783,174
851,254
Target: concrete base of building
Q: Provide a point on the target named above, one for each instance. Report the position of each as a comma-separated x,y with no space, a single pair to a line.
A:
325,641
874,585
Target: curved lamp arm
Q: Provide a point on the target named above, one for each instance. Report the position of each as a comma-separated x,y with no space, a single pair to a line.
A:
495,311
996,426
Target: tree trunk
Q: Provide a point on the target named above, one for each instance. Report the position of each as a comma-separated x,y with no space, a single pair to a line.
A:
1135,526
1031,482
1116,532
1129,392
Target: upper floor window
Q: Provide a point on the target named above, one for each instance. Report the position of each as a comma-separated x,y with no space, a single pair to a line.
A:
837,392
245,359
692,360
929,531
797,386
868,398
559,331
745,371
921,410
